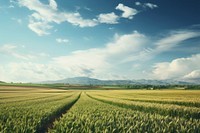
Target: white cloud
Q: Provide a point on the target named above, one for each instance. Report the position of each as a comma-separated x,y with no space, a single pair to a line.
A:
10,49
127,11
178,68
45,14
98,61
39,27
150,5
17,52
193,75
22,68
138,3
166,43
145,5
29,72
59,40
175,38
76,19
53,4
127,44
109,18
123,49
116,56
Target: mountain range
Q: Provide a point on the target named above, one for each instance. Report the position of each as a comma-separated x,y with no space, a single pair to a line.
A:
93,81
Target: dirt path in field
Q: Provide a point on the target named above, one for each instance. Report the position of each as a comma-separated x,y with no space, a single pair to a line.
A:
44,128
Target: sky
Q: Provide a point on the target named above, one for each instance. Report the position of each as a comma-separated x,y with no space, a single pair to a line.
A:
44,40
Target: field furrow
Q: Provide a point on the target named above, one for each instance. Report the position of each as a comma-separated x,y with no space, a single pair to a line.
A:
48,125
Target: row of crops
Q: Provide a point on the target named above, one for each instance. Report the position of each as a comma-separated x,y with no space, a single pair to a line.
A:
170,96
32,111
162,109
91,115
59,111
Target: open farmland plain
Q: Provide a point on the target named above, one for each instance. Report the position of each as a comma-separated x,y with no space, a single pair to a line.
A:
34,109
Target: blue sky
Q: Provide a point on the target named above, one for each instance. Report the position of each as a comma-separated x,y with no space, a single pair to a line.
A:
116,39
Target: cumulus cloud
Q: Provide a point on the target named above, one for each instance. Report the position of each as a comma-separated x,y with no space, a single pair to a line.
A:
116,56
100,60
127,11
122,50
194,75
53,4
108,18
40,21
59,40
179,68
46,14
39,27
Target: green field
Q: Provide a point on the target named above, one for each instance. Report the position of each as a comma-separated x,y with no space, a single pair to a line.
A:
40,109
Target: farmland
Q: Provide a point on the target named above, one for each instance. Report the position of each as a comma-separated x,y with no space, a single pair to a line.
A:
38,109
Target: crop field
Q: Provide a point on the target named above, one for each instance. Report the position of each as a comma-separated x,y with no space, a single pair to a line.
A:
40,110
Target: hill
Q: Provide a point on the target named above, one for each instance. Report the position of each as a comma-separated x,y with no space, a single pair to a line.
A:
92,81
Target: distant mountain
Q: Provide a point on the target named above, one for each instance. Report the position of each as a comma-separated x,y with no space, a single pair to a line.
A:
76,80
80,80
92,81
2,82
162,82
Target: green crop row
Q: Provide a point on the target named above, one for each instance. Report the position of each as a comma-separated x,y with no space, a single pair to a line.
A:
32,101
27,98
33,115
155,100
174,95
162,109
92,116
